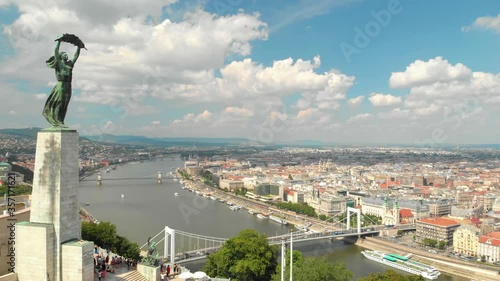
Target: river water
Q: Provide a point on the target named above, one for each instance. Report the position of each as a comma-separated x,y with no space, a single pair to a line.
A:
147,207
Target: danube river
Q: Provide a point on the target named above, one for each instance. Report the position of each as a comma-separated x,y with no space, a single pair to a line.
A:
146,207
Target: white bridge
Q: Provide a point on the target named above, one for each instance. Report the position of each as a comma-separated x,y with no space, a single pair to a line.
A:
185,246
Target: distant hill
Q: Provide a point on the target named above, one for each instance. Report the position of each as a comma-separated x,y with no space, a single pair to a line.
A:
129,139
27,133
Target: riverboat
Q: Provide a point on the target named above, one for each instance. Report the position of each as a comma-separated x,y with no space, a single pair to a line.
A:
252,212
278,220
262,216
402,263
235,208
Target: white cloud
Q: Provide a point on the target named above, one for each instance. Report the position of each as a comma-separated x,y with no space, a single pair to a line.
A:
429,110
155,123
41,96
238,112
384,100
12,112
396,113
359,117
434,70
354,102
193,118
127,56
486,22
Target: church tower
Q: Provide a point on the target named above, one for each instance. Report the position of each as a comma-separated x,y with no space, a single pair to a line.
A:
395,212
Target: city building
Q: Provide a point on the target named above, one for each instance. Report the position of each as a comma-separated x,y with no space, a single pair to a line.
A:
230,184
437,229
465,240
330,205
376,206
439,208
489,247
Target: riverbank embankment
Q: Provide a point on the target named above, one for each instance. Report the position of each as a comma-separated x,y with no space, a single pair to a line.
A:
444,264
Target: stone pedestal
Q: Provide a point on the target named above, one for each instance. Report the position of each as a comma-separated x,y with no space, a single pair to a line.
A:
54,204
35,251
78,261
150,273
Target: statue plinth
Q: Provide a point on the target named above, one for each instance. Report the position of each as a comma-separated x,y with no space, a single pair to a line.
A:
54,220
149,272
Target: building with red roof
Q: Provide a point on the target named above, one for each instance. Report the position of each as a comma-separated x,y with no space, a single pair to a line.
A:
489,247
406,216
439,229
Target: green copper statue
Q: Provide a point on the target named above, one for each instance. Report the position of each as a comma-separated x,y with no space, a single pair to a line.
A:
57,103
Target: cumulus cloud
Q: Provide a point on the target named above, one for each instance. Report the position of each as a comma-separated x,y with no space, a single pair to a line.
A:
194,118
238,112
359,117
127,55
384,100
354,102
434,70
396,113
486,22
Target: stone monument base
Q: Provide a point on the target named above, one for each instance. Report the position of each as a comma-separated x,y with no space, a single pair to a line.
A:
151,273
78,261
36,249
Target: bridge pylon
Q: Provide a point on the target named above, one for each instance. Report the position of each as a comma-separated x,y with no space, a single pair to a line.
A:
358,212
169,232
99,179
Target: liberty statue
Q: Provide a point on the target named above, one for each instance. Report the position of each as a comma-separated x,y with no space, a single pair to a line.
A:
57,103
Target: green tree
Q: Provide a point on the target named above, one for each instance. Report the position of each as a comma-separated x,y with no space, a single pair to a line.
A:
442,244
246,257
430,242
104,235
303,208
323,217
391,275
313,269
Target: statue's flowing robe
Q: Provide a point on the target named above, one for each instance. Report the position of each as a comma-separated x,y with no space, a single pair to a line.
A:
56,105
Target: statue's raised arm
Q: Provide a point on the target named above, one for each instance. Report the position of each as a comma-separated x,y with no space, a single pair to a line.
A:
56,105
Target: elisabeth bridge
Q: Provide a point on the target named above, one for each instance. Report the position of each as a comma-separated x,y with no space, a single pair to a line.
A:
186,247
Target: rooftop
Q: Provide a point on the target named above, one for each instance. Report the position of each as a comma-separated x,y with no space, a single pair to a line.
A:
439,221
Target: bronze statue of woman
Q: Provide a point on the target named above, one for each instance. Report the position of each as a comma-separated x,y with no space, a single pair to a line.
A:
57,103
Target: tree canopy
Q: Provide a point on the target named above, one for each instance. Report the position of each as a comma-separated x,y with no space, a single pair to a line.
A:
391,275
246,257
298,208
104,234
313,269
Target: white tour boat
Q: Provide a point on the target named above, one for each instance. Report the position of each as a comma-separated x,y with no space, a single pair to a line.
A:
403,263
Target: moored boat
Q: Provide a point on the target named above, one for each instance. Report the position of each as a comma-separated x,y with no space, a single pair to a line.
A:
402,263
278,220
262,216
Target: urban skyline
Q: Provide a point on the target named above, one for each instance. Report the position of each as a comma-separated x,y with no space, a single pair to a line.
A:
333,71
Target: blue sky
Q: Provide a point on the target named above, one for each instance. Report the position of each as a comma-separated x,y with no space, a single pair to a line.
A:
415,72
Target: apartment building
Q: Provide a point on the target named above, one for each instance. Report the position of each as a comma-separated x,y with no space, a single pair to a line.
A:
465,240
439,208
489,247
436,228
